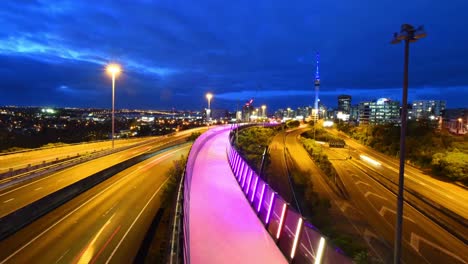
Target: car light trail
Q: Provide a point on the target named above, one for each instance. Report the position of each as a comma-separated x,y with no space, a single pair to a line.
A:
364,157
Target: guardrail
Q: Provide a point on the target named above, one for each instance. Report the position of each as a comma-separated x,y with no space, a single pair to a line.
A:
297,238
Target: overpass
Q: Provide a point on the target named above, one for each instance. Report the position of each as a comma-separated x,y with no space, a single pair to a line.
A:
231,215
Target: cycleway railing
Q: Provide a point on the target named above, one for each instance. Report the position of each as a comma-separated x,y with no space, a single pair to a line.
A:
297,239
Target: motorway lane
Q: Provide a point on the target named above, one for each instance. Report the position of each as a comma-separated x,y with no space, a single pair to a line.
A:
21,160
424,241
434,244
106,224
451,196
17,196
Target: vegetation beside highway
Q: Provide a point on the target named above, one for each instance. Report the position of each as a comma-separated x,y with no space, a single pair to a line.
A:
435,151
157,241
321,159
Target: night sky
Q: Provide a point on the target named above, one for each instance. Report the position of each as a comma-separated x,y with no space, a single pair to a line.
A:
53,53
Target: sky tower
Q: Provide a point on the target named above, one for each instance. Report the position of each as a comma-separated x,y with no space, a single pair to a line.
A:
315,113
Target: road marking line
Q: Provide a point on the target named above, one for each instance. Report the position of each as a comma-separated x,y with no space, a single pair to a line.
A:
9,200
85,254
386,209
62,256
136,219
37,189
361,182
416,239
105,245
371,193
79,207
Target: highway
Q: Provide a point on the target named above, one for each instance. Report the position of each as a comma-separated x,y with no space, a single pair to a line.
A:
17,196
451,196
424,241
105,224
33,157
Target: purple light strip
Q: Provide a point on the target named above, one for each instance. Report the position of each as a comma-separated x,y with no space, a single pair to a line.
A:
244,178
236,164
296,238
283,212
261,197
267,219
249,181
254,190
239,174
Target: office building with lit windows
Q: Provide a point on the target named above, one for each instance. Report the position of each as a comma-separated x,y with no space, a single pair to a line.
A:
381,111
426,109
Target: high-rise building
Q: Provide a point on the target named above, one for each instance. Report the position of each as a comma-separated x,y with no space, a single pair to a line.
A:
427,108
380,111
247,110
364,113
344,103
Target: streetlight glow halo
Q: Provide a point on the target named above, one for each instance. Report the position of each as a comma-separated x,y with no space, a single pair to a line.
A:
113,68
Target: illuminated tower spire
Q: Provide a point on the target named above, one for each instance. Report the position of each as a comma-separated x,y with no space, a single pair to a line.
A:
317,88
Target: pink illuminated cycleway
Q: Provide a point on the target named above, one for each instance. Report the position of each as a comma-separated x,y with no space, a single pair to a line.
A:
223,226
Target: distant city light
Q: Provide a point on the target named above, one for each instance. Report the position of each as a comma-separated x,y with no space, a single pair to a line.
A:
327,123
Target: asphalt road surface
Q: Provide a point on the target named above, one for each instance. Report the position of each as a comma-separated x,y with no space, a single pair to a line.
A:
22,159
424,241
106,224
17,196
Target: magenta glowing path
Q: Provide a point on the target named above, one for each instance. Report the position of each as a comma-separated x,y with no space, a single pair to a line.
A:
223,226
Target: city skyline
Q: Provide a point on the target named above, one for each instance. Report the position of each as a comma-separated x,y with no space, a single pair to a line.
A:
54,53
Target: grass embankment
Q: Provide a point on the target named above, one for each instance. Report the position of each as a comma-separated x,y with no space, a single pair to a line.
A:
435,151
155,246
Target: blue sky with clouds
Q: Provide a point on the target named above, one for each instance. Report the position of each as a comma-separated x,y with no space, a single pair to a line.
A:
54,52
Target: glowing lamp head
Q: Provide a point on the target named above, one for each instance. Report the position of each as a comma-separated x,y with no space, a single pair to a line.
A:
113,69
209,96
263,107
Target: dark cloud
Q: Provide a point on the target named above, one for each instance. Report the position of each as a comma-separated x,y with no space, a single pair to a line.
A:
173,51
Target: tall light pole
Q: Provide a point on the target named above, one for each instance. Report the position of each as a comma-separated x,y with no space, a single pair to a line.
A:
263,114
208,114
409,34
113,69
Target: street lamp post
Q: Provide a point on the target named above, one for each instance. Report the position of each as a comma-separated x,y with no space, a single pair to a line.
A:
208,114
263,114
409,34
113,69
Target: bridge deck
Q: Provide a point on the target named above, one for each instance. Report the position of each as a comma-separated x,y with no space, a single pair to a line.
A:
223,227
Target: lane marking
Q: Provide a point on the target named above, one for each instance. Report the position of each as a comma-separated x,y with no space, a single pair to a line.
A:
105,244
57,261
9,200
136,219
367,194
386,209
79,207
415,243
361,182
86,253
